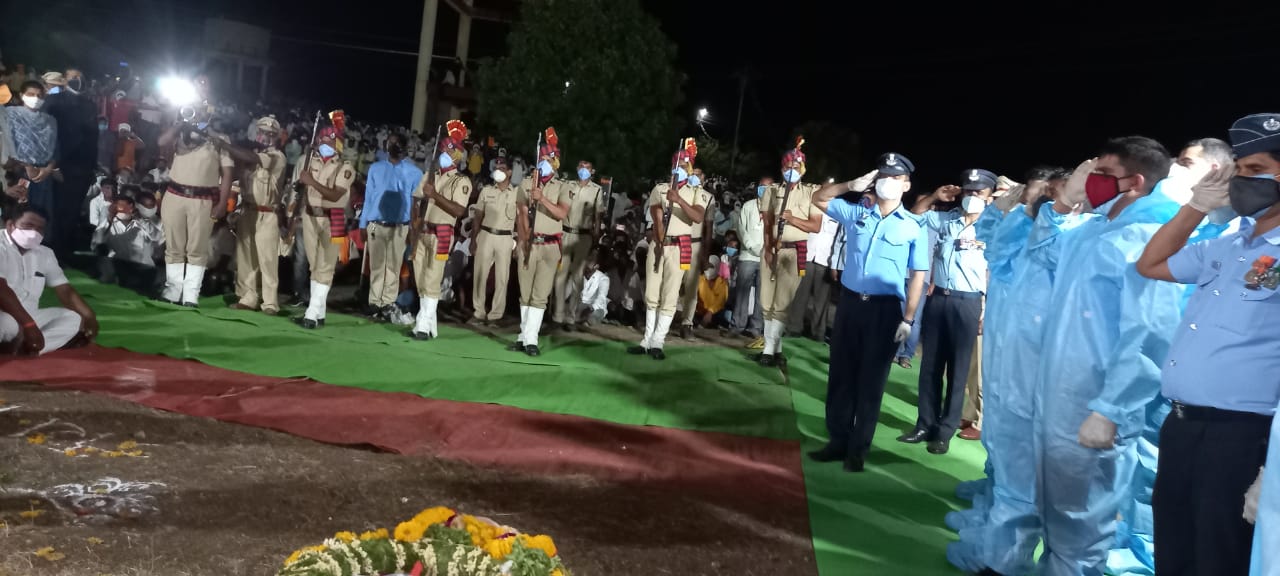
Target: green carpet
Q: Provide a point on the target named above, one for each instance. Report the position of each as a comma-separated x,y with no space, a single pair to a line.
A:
885,520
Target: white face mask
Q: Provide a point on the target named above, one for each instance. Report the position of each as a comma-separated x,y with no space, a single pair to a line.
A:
124,217
26,239
32,102
499,176
545,169
147,213
710,274
972,205
446,161
889,188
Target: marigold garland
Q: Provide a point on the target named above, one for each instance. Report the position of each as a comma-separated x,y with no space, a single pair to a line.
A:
441,540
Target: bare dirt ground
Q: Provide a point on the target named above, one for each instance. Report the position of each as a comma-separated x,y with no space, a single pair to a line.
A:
93,486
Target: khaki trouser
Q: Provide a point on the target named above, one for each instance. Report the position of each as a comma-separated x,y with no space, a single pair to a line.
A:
322,253
537,278
778,285
188,224
973,387
662,288
689,292
574,260
258,259
427,271
492,251
384,247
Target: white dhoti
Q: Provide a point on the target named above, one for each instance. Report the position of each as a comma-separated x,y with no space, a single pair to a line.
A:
58,325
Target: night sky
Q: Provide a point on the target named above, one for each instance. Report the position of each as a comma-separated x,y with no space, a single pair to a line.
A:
952,86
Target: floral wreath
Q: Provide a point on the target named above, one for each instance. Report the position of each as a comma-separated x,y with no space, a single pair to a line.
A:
436,542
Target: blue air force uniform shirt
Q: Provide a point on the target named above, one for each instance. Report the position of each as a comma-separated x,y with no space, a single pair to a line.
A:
880,249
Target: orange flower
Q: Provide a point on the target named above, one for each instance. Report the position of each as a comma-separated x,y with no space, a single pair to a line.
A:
500,548
36,438
374,535
298,553
345,536
540,542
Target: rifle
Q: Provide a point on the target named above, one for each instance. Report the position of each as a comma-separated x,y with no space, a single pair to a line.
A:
533,206
609,204
415,221
658,242
300,191
782,223
606,185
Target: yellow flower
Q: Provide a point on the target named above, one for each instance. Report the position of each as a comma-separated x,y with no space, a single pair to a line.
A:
413,530
32,514
378,534
36,438
94,541
557,572
69,451
112,454
540,542
298,553
500,548
133,453
127,445
345,536
49,554
90,450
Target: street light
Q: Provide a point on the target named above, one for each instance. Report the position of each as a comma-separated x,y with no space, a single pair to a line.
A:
702,114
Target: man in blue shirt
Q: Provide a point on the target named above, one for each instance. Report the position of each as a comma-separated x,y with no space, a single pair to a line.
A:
884,241
384,220
955,308
1221,366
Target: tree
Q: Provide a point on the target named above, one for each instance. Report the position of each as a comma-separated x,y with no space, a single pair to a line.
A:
600,71
714,159
831,151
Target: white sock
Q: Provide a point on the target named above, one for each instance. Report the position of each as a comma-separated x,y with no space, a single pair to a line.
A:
313,308
422,324
192,279
530,335
524,320
319,299
431,305
173,282
660,333
650,324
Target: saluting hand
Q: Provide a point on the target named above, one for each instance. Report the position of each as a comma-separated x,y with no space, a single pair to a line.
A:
1210,193
947,193
1073,193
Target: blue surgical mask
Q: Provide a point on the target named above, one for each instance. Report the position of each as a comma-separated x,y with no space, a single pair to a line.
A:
102,126
446,161
760,191
792,175
55,89
544,168
730,251
326,150
681,175
202,125
694,180
584,174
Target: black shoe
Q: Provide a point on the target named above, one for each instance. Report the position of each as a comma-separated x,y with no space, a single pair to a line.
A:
421,336
299,302
475,322
532,350
637,350
310,324
190,305
914,437
768,360
516,346
989,572
939,447
657,354
854,464
686,332
828,453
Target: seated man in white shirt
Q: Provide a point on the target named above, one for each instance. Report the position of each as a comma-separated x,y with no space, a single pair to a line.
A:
595,295
132,242
26,269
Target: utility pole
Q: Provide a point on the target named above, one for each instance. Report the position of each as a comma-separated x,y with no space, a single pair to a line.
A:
742,91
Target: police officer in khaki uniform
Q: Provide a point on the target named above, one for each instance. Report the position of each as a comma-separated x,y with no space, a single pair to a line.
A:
689,284
494,242
543,199
328,182
788,204
686,206
446,196
195,197
258,228
581,229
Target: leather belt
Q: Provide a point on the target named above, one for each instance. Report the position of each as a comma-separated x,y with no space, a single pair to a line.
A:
388,223
958,294
674,240
870,297
259,208
496,232
195,192
572,230
1210,414
546,238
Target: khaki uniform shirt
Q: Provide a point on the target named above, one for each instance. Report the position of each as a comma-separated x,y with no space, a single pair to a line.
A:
681,224
260,186
499,207
800,203
554,191
451,185
584,203
332,174
199,167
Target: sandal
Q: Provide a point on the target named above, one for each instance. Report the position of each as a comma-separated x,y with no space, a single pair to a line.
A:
904,362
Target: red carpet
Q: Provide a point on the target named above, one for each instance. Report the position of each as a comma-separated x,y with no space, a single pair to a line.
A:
748,471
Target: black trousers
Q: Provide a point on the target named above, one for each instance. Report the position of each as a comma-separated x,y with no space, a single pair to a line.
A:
948,335
65,234
808,313
1204,470
862,349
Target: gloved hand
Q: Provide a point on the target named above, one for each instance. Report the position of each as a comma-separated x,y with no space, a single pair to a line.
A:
861,183
1073,193
1097,432
1007,202
904,332
1251,499
1210,193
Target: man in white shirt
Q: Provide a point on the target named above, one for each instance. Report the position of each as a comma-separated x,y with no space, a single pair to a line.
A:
160,174
595,295
809,310
132,242
746,320
26,269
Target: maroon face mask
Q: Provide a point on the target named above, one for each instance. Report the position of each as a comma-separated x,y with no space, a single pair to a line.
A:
1101,188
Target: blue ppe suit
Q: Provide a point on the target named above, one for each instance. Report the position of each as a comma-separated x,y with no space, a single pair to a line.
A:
1266,533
